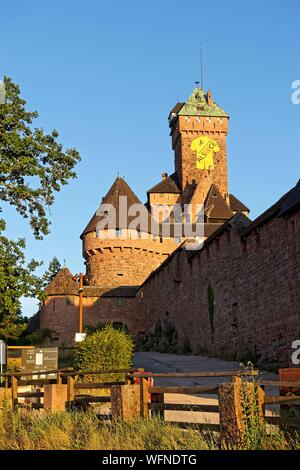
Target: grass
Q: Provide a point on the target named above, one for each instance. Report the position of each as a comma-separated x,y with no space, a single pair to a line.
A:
35,430
27,429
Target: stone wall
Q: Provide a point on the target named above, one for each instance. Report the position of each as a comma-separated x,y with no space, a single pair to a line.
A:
187,129
60,314
236,298
113,263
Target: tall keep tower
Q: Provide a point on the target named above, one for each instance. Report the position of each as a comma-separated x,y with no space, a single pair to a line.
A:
199,128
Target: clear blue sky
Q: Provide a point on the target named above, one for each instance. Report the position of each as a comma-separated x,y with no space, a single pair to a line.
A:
106,74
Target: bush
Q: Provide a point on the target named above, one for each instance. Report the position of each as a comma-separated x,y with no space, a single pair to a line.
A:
106,349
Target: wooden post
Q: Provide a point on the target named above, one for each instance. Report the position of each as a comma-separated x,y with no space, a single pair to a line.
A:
5,397
159,399
14,392
125,402
55,397
58,378
80,302
71,391
231,410
144,398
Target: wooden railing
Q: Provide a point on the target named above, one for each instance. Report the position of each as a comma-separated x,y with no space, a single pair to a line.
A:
154,399
284,402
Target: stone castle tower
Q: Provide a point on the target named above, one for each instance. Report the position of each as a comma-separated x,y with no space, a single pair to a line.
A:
199,128
120,258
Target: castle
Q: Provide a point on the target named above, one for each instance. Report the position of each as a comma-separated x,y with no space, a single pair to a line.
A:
174,298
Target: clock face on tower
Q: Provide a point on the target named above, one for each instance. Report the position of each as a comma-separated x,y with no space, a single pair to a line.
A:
205,147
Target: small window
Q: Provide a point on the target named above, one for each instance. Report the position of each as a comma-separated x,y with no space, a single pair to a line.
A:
119,301
53,305
120,274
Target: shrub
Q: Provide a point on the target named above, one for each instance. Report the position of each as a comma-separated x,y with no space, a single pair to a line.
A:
106,349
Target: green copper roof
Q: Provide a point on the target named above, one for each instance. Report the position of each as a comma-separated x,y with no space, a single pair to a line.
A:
197,105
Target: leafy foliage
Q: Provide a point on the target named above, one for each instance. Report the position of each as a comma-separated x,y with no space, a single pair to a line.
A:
54,267
106,349
16,280
33,167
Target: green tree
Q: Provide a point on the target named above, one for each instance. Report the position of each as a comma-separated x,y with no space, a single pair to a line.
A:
33,167
54,267
16,280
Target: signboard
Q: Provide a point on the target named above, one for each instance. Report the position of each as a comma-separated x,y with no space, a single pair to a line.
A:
39,360
2,357
2,353
79,337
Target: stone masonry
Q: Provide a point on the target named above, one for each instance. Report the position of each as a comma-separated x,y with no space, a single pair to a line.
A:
237,296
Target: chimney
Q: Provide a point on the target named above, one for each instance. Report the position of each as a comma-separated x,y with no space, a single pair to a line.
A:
164,176
209,98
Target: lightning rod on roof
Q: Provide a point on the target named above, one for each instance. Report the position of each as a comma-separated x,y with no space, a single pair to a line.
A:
201,65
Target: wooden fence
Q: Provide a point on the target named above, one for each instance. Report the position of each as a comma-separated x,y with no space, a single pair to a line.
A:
135,396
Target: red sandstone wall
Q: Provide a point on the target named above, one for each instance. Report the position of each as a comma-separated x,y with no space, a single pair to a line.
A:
187,129
112,263
61,315
256,293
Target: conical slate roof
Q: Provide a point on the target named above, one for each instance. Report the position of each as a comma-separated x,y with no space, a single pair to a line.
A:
118,189
62,284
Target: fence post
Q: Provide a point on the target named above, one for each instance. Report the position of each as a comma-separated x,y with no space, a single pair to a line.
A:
71,391
144,398
14,392
159,399
125,402
5,397
58,378
232,416
55,397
